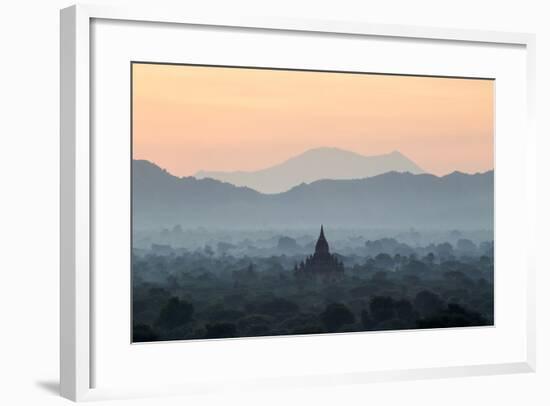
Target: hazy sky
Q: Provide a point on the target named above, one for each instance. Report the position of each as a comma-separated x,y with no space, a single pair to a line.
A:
188,118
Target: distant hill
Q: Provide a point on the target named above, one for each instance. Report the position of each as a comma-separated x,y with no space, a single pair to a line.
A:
313,165
390,200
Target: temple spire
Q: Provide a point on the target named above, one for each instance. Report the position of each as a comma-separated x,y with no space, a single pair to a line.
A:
322,245
322,263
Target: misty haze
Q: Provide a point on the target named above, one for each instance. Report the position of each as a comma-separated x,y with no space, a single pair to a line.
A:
320,235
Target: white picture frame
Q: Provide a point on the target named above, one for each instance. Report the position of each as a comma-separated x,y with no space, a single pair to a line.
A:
77,357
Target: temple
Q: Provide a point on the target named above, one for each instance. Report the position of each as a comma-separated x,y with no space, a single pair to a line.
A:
322,264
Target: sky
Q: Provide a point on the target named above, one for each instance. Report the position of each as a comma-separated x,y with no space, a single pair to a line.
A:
191,118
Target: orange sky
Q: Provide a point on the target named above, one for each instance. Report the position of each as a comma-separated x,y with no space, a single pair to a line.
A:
188,118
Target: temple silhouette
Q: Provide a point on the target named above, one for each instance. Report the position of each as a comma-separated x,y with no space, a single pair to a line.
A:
322,264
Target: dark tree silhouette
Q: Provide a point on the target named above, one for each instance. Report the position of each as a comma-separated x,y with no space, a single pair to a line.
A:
366,320
454,316
175,313
220,330
444,250
384,260
404,310
428,303
416,267
380,276
429,259
143,333
250,289
466,246
278,306
382,308
337,315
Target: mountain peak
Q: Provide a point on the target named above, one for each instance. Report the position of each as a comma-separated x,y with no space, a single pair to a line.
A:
316,164
327,150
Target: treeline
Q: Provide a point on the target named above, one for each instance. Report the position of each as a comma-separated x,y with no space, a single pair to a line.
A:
198,295
176,241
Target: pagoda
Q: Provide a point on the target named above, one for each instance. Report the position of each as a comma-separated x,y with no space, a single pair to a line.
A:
322,264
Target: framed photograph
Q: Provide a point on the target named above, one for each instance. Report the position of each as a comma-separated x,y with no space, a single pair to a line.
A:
266,202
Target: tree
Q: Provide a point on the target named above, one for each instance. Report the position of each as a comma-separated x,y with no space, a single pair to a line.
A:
143,333
384,261
415,267
366,320
222,247
466,246
429,259
487,248
444,250
220,330
287,244
175,313
428,303
255,324
278,306
336,315
208,250
380,276
404,309
382,308
454,316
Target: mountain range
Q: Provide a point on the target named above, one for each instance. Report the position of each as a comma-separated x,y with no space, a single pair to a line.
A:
313,165
389,200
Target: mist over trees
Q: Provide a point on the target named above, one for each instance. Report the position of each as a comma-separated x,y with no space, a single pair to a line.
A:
289,241
215,288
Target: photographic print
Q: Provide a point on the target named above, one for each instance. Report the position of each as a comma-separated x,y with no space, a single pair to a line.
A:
270,202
